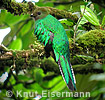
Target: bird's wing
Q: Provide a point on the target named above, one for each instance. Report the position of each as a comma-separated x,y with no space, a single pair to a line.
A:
43,33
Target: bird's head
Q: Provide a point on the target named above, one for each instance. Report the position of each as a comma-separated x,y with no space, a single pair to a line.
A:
39,13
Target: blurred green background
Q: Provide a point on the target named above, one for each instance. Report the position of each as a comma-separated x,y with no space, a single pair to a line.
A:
22,35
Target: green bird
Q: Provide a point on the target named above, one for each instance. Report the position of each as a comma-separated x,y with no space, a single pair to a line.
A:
50,32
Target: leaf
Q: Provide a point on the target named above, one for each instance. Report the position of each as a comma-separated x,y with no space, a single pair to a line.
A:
88,3
65,21
59,86
20,87
2,19
87,58
83,21
38,76
24,78
52,83
36,87
89,15
98,77
70,33
27,39
8,19
80,33
16,44
103,21
26,28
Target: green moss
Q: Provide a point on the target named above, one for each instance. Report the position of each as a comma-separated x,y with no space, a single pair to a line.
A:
93,41
92,38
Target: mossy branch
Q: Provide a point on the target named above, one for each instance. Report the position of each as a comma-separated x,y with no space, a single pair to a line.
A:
24,59
21,58
90,49
28,8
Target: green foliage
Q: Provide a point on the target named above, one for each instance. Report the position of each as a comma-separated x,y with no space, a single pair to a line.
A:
103,21
100,87
92,45
68,23
86,58
21,34
17,42
90,16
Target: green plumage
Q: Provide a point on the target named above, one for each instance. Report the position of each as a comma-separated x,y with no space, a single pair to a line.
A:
50,31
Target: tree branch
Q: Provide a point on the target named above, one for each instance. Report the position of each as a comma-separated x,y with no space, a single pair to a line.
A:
21,59
32,58
62,2
28,8
90,44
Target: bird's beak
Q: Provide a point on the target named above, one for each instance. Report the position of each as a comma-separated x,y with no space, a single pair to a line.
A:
31,15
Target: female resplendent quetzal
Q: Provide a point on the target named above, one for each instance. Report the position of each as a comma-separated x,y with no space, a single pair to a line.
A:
50,31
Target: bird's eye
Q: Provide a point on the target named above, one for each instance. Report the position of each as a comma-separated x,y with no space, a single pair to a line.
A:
39,13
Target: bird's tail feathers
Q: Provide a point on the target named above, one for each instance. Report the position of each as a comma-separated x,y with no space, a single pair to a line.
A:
67,72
